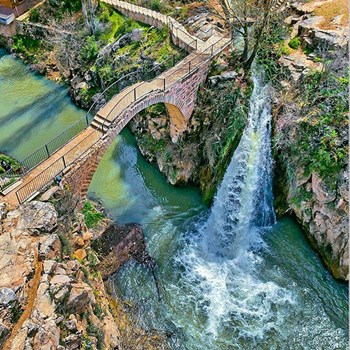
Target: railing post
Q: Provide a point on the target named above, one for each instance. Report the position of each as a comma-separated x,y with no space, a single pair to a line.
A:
19,202
212,47
134,95
164,84
87,119
189,67
64,162
47,151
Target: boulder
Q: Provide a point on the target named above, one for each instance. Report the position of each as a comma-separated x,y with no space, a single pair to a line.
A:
80,254
136,34
50,247
60,279
43,303
47,337
7,297
226,76
49,266
35,217
81,296
73,341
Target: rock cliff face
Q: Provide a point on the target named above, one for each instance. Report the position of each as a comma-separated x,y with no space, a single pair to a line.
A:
52,296
200,156
310,136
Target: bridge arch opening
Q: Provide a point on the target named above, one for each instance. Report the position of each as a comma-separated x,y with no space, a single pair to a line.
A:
161,119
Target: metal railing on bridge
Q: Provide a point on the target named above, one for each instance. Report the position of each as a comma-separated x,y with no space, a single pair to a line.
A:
46,151
158,84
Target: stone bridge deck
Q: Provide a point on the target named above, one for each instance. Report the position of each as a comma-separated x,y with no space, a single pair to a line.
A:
176,87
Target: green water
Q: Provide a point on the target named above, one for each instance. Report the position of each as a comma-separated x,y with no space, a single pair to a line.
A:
306,308
33,110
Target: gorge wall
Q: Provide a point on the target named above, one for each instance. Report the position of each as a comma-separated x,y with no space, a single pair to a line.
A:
310,142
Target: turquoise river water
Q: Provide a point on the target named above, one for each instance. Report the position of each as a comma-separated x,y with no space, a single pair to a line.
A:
261,287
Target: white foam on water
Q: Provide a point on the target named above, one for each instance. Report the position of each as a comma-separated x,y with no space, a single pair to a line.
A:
221,265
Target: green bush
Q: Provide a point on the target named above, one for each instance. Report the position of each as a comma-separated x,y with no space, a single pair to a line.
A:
321,144
34,15
90,49
15,165
91,215
294,43
155,5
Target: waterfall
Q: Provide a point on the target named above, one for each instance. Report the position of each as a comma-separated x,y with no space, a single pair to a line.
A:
244,200
222,261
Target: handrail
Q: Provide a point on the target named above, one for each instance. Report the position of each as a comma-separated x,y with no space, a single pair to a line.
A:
211,51
64,161
45,151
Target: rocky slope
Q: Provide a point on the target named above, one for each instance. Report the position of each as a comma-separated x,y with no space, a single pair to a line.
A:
311,139
52,295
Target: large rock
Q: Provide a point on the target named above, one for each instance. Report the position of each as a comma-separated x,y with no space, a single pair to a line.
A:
47,337
80,297
312,34
7,297
16,259
321,194
50,247
35,217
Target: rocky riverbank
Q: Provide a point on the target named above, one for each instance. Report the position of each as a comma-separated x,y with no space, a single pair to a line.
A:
310,133
52,294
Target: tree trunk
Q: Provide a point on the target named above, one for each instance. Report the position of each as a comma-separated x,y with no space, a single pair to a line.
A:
246,44
88,9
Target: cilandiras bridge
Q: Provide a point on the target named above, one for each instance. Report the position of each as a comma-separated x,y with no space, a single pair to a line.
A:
75,154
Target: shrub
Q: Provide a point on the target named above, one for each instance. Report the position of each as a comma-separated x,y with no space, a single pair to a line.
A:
294,43
91,215
34,15
90,49
155,5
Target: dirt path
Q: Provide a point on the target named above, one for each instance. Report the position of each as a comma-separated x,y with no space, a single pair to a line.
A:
29,307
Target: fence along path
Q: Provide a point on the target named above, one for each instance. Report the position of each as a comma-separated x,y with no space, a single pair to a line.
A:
60,161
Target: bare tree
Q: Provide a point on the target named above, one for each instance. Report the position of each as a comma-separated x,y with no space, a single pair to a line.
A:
250,19
89,8
66,38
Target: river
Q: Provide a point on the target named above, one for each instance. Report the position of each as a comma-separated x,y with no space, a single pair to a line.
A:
226,283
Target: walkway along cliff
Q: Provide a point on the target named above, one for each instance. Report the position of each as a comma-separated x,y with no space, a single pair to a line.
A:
78,158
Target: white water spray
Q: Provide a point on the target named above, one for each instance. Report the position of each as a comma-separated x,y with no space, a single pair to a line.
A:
222,265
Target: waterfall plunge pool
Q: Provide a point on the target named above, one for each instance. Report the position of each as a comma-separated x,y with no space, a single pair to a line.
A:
287,301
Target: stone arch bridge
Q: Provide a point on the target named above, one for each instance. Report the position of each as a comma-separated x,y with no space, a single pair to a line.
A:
78,159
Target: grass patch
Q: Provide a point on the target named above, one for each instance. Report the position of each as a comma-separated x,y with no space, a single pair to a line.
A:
13,163
294,43
91,215
117,24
